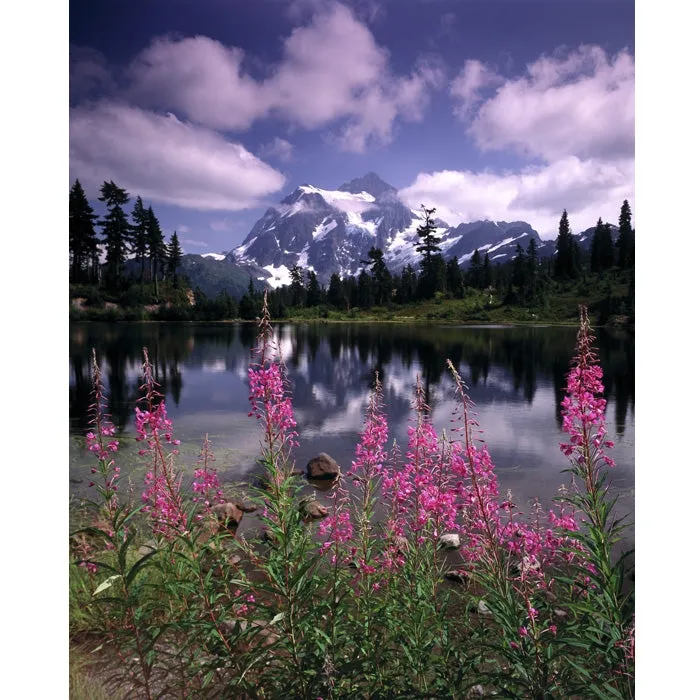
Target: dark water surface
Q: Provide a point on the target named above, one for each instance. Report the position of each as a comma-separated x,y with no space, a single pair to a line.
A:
515,377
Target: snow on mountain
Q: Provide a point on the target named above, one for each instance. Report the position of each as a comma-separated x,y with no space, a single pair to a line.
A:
332,230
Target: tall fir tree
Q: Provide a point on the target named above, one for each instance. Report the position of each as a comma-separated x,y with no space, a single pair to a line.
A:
475,272
139,228
381,277
82,238
455,279
116,231
297,288
174,258
567,260
335,292
314,295
432,265
157,249
597,247
625,238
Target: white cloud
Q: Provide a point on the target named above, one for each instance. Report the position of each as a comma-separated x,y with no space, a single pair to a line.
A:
165,160
277,148
331,70
196,244
581,104
587,189
466,87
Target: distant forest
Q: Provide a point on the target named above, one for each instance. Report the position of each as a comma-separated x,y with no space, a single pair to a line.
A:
153,275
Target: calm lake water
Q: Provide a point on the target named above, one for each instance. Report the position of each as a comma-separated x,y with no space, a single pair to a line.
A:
515,377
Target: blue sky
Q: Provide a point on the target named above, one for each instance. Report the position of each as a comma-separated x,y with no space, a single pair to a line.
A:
212,111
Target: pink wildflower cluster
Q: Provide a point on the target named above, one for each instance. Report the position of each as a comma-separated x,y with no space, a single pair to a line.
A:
583,408
419,495
268,395
206,481
162,497
97,443
338,528
370,454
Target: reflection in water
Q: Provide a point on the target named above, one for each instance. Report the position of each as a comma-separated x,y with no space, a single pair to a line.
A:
516,377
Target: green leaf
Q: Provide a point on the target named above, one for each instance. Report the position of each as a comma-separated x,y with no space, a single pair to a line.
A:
107,583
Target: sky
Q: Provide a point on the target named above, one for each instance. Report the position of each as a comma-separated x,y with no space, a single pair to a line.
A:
485,109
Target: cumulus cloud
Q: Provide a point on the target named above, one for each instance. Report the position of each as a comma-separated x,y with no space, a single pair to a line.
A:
467,86
277,148
331,69
166,160
580,103
587,189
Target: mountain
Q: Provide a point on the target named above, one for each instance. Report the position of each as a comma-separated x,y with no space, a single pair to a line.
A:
331,231
214,273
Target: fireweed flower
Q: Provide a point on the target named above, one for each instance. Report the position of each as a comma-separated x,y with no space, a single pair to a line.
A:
269,399
162,496
583,409
98,443
206,481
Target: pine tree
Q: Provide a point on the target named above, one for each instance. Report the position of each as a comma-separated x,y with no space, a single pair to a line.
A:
566,264
116,230
474,274
519,273
381,278
364,291
597,247
314,296
625,239
157,250
335,292
408,285
455,280
174,257
432,263
297,288
82,239
139,229
487,272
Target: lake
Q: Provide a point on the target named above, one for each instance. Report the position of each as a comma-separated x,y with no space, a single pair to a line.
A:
515,376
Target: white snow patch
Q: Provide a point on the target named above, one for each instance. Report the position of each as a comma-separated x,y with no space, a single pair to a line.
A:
323,228
280,276
216,256
345,201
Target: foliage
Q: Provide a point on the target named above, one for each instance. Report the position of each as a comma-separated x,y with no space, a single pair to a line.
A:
357,606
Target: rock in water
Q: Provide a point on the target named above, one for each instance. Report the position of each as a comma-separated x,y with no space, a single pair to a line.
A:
322,467
312,510
450,541
228,516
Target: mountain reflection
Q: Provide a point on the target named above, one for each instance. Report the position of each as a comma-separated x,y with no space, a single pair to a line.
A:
331,367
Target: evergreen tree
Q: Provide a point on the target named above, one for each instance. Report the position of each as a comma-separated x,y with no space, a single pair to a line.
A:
432,264
455,280
408,285
567,260
381,278
364,291
116,231
82,239
174,257
314,296
607,248
519,273
139,229
625,239
336,297
597,246
298,289
487,272
475,272
157,249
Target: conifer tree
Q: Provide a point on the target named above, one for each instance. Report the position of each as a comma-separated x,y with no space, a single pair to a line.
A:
381,278
297,287
335,292
519,273
157,250
455,279
432,264
625,240
474,275
408,285
116,230
364,291
567,260
597,247
174,257
314,296
82,238
139,228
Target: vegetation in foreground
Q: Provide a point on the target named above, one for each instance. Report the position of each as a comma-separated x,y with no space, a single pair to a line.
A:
175,604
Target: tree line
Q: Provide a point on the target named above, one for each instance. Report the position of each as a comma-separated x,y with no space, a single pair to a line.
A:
119,236
525,280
